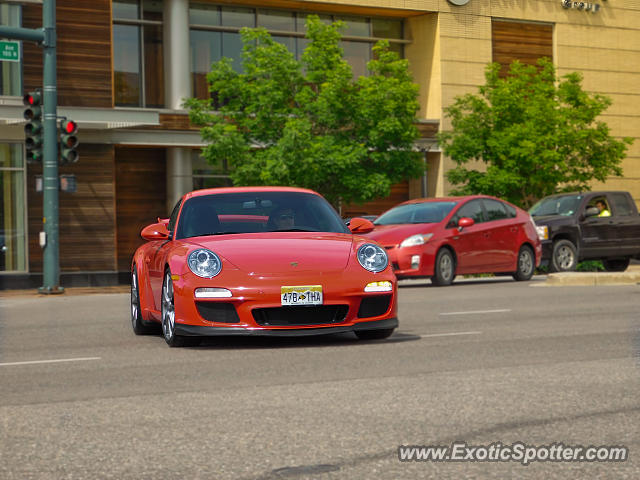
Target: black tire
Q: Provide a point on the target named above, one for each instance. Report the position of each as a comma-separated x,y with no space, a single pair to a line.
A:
444,268
526,264
378,334
564,257
616,265
168,316
140,327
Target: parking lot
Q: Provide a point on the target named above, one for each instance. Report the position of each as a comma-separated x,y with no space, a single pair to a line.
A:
486,360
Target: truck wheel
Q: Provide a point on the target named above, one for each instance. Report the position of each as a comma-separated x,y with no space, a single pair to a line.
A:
526,264
617,265
564,257
444,269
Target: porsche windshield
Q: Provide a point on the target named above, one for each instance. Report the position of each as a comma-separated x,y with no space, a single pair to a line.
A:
427,212
560,205
257,212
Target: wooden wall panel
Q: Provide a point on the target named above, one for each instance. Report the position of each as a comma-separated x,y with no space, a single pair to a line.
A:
526,42
399,194
140,196
83,31
86,218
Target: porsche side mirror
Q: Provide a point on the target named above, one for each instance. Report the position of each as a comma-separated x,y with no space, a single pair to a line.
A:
591,212
155,231
465,222
360,225
163,220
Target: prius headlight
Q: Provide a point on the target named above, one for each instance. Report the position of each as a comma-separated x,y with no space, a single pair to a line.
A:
372,257
414,240
204,263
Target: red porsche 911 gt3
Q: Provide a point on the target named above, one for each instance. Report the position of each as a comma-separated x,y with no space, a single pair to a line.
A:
260,261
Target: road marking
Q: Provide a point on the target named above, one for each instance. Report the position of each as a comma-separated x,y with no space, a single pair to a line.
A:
474,312
450,334
60,360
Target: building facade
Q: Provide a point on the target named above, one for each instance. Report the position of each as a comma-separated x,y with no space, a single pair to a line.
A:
124,68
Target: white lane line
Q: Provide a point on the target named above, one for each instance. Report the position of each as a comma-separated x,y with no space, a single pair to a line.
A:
474,312
60,360
450,334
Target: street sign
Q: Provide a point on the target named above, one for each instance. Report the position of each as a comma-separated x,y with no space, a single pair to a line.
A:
9,51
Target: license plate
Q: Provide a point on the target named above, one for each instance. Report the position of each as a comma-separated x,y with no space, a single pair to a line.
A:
302,295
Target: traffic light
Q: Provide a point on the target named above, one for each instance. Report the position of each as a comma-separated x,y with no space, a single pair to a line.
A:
33,128
68,141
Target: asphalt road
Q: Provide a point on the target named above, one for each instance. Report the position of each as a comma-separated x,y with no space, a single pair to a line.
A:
486,361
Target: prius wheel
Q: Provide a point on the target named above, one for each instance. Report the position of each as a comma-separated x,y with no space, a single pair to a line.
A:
378,334
140,327
564,257
444,270
526,264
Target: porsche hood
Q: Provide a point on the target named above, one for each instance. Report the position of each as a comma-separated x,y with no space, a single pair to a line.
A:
281,252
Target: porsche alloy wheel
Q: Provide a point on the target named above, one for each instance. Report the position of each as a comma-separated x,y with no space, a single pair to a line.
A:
444,268
526,264
138,324
169,313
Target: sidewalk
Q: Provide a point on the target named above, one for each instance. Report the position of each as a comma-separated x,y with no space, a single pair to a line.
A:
67,291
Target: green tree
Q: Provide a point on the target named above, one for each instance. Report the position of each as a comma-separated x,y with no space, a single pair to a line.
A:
534,133
309,123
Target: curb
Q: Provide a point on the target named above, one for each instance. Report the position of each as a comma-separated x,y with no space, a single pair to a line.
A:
631,276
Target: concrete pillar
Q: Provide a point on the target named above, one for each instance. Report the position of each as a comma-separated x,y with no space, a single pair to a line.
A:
177,80
177,75
179,174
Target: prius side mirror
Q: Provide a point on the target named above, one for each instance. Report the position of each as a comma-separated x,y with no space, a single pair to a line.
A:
465,222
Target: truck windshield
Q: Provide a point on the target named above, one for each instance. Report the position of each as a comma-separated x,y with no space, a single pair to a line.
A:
561,205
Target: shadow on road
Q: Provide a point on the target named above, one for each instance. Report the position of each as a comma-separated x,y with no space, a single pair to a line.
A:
316,341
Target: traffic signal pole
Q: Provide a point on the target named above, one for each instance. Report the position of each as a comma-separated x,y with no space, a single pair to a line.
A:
46,37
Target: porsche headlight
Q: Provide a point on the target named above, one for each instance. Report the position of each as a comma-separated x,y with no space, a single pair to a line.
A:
372,257
204,263
414,240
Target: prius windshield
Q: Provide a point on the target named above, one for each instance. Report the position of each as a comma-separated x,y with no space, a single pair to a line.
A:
565,205
257,212
427,212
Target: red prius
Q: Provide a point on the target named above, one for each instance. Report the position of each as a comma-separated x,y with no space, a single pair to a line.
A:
260,261
443,237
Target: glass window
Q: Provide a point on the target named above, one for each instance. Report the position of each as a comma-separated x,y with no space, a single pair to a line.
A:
357,54
153,67
238,17
13,232
206,48
355,26
424,212
126,64
203,14
621,204
138,54
10,72
472,209
207,175
495,210
277,20
126,9
386,28
232,48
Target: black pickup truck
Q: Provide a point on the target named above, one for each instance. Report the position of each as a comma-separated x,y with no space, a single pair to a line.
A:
587,226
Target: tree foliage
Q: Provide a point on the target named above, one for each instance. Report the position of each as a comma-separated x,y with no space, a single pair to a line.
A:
309,123
534,133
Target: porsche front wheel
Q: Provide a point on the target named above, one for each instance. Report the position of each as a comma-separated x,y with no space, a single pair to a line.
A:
140,327
169,313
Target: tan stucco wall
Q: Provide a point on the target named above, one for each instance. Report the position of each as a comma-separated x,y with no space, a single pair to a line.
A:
451,46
